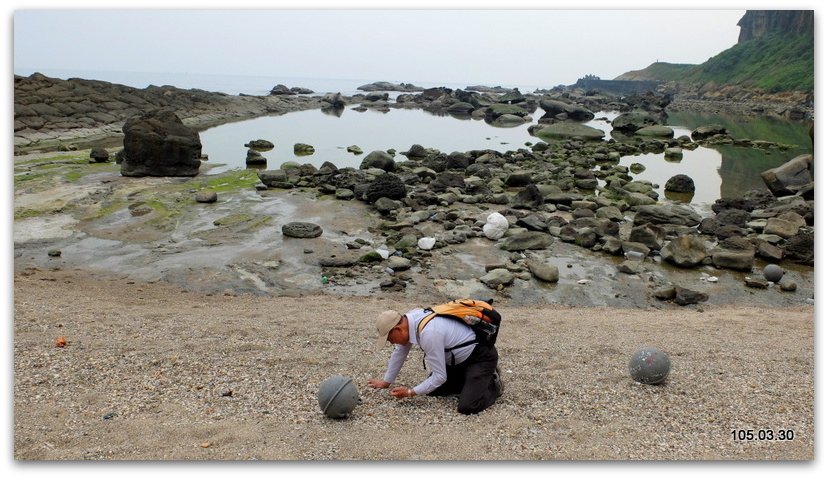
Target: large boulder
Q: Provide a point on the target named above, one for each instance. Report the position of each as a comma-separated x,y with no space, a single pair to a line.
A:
529,197
499,109
566,130
543,271
99,155
734,253
497,278
666,214
633,121
707,131
800,248
460,107
416,152
378,159
260,145
559,110
447,180
158,144
689,296
508,121
680,183
685,251
302,230
791,177
512,97
335,100
281,90
387,185
649,235
656,130
527,240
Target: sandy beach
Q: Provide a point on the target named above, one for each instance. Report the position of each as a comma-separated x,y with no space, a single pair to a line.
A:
151,372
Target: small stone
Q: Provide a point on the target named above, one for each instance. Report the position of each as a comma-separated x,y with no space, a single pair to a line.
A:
787,285
629,267
302,230
688,296
206,197
756,283
99,155
54,253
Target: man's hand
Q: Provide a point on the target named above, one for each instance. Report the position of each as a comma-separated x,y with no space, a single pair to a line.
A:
373,383
402,392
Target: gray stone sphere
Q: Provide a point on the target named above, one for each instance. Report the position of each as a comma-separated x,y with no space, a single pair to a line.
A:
773,272
338,396
649,365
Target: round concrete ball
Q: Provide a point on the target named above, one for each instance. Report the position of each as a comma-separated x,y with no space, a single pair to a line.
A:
773,272
338,396
649,365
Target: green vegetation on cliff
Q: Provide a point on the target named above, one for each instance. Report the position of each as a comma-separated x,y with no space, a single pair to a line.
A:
776,62
660,71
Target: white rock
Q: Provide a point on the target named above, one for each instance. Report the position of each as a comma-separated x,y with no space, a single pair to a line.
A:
426,243
493,232
497,219
384,253
496,226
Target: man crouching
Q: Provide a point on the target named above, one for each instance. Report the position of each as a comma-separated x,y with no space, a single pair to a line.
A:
460,363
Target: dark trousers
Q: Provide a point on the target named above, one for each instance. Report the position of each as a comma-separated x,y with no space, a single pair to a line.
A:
473,380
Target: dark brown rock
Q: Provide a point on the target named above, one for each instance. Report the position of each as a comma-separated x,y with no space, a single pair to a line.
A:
158,144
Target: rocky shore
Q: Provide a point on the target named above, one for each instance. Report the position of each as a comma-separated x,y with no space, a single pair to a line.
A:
517,211
54,114
794,105
194,316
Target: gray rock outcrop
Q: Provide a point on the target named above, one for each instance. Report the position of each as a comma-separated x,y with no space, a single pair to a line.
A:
791,177
158,144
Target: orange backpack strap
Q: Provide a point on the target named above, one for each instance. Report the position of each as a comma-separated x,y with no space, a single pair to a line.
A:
423,323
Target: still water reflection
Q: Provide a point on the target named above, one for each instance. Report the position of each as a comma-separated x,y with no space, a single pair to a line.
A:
725,171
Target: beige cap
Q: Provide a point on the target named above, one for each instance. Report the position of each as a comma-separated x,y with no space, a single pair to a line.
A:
385,322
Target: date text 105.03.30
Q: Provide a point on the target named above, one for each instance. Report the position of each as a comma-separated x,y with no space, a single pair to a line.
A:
762,434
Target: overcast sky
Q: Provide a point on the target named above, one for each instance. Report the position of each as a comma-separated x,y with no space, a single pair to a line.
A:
510,47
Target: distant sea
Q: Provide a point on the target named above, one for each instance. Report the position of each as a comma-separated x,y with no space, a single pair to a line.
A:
239,84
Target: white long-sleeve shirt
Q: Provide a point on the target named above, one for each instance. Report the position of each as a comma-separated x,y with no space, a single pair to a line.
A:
440,334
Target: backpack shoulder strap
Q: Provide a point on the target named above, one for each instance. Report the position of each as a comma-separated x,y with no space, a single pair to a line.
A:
424,322
428,318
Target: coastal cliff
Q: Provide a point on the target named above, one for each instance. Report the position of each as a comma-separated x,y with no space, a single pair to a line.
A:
761,23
